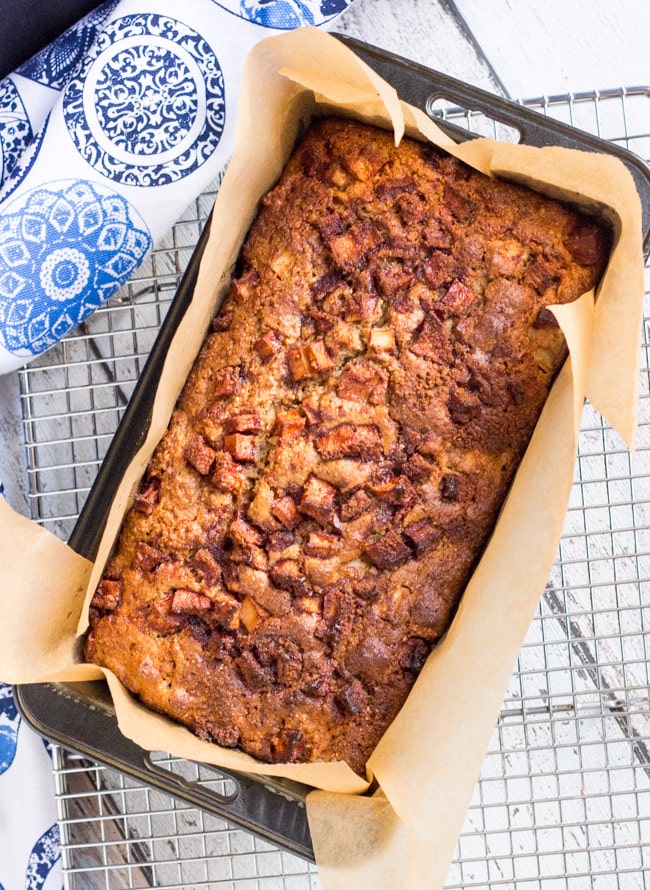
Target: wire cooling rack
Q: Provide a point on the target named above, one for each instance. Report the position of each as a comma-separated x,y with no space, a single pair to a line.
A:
563,801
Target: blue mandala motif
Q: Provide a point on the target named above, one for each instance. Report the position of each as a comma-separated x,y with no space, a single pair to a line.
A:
285,14
147,107
168,107
55,65
15,128
9,723
64,249
43,858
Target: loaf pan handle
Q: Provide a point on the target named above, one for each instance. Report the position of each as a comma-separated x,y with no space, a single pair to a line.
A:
421,87
270,808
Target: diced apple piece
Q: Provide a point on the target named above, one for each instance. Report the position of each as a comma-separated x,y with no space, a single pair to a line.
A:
189,602
244,423
289,424
199,455
267,345
318,500
286,511
348,440
381,340
298,362
242,448
227,382
249,614
318,356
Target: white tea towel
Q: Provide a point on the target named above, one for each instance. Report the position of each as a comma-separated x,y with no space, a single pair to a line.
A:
106,137
30,857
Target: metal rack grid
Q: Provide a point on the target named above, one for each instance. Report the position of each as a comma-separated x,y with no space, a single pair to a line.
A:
563,801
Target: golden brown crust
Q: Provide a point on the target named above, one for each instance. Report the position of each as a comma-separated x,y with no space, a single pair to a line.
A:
342,447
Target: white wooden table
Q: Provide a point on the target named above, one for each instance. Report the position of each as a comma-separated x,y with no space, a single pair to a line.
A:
555,795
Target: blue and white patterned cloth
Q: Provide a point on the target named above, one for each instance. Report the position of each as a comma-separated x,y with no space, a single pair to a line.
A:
106,136
29,835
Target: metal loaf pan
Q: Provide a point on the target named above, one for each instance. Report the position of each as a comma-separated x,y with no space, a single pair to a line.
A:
80,716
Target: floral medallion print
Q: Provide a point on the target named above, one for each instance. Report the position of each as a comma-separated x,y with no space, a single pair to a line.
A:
64,249
9,723
54,66
15,128
285,14
43,859
24,163
147,107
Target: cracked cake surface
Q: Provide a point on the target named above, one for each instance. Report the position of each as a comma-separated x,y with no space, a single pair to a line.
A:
342,447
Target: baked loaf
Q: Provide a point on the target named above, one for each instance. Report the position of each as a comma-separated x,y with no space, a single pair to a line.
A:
342,447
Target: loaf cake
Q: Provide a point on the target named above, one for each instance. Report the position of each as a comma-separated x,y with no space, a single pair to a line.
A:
342,447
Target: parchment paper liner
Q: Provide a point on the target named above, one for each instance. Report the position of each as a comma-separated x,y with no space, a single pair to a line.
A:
404,835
